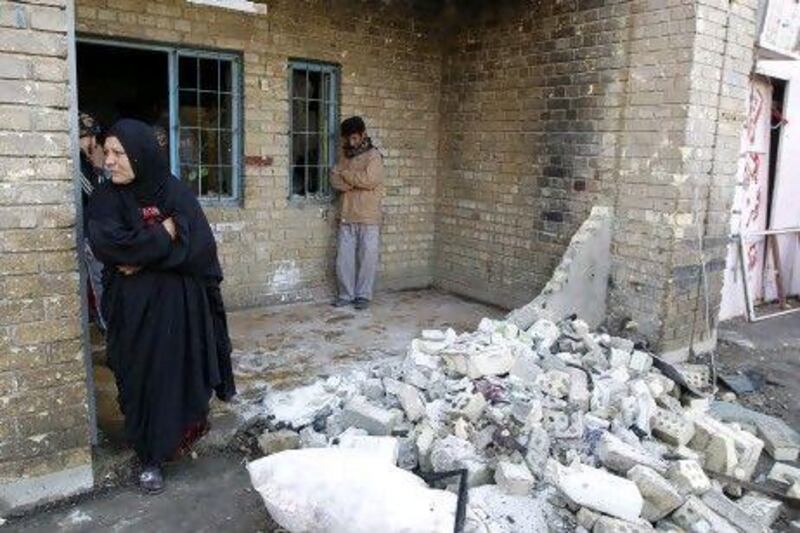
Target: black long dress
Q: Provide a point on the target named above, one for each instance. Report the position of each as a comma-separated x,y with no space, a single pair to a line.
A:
167,340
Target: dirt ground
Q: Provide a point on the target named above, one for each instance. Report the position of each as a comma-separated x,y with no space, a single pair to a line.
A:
771,348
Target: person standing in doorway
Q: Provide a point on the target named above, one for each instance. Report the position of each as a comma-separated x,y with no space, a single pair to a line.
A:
92,175
358,176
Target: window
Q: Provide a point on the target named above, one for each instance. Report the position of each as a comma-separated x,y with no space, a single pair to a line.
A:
314,93
192,96
207,126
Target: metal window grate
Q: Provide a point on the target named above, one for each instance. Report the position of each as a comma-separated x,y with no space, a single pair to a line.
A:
207,131
314,113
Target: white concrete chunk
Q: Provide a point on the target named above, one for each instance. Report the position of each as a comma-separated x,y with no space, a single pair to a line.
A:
375,420
513,478
688,477
694,515
660,497
598,490
619,456
671,427
606,524
730,511
765,510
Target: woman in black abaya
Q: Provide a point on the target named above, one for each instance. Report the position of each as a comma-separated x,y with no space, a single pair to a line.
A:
167,341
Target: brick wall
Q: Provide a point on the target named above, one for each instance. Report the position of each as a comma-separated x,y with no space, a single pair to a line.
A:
722,60
548,110
43,412
274,250
528,96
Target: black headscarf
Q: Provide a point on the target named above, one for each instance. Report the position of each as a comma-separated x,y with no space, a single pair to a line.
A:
148,160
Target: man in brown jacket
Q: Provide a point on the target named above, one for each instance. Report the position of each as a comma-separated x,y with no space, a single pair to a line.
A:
358,176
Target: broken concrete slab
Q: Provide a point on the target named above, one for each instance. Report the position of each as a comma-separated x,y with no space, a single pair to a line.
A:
671,427
409,396
780,440
694,515
765,510
375,420
783,473
688,477
607,524
514,478
727,449
579,283
597,489
272,442
619,456
660,497
453,453
730,511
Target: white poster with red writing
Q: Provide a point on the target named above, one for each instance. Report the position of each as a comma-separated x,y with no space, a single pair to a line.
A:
750,204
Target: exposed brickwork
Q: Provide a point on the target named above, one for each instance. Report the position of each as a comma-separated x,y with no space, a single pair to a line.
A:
574,103
272,249
43,412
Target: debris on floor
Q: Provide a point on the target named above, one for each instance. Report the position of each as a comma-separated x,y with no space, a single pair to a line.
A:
555,425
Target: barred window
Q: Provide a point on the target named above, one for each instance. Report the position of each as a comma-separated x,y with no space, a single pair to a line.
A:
208,124
314,100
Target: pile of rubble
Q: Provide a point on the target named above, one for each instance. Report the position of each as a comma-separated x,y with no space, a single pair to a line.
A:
578,425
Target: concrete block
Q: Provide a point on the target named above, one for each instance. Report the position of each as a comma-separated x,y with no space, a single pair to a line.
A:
473,407
619,456
670,403
698,376
312,439
640,362
554,383
409,396
578,395
373,389
618,358
763,509
375,420
538,449
425,438
586,518
621,343
672,427
598,490
780,440
783,473
688,477
526,368
606,524
660,497
513,478
272,442
562,425
728,450
694,515
730,511
452,453
407,458
544,333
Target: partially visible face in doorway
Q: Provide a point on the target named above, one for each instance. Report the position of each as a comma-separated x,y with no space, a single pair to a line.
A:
355,140
117,162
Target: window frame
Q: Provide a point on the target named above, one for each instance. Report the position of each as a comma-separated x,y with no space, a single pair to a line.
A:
174,52
334,113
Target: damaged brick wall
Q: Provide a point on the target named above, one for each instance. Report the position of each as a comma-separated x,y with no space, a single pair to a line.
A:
43,412
273,249
528,94
549,110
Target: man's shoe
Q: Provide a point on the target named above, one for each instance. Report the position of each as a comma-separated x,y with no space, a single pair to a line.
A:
341,302
151,480
361,304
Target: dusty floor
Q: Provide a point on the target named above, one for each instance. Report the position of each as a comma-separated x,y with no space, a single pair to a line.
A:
276,347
